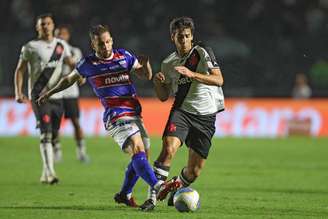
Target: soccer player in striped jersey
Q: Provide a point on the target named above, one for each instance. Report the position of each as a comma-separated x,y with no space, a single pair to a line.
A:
43,58
192,74
109,71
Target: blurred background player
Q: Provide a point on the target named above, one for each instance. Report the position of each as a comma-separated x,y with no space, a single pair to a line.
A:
109,71
192,74
301,89
43,58
70,99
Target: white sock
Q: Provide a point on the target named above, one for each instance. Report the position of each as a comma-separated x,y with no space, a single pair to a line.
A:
80,143
152,194
47,158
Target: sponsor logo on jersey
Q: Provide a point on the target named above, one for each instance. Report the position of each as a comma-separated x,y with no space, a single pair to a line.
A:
117,79
184,80
106,80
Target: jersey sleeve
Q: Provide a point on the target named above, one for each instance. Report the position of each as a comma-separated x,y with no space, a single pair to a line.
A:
81,67
131,60
25,53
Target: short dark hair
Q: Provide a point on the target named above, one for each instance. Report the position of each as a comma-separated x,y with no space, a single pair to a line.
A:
97,30
42,16
181,23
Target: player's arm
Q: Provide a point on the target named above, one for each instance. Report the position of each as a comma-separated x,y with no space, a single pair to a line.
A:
64,83
161,88
214,78
19,78
70,62
143,68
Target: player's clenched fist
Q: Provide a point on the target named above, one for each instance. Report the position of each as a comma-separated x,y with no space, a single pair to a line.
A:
159,78
21,98
42,99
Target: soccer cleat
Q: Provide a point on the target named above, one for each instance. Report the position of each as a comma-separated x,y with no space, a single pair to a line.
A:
167,187
44,179
170,200
148,205
52,180
122,199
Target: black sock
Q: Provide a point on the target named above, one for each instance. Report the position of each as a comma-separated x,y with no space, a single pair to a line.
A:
183,178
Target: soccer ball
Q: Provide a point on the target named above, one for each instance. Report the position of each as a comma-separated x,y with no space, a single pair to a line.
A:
186,199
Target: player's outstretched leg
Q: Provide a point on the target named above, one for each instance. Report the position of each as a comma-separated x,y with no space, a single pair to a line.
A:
162,168
139,162
125,195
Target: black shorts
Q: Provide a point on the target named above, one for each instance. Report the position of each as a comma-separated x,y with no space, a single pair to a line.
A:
195,130
48,115
71,108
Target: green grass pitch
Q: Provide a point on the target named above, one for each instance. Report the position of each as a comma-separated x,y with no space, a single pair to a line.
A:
243,178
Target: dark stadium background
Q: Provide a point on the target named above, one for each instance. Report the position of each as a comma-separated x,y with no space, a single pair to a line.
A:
260,44
269,153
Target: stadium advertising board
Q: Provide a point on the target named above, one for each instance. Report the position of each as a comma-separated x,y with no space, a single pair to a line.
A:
242,118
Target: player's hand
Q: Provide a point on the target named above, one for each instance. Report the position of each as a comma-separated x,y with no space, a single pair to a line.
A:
185,71
21,98
143,60
42,99
159,78
146,70
81,81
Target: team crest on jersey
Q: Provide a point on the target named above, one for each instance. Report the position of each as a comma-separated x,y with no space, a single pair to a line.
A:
59,49
123,63
193,60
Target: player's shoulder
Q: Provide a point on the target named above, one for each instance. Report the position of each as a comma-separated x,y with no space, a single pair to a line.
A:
76,52
203,48
206,52
63,42
123,52
170,58
86,60
75,49
32,43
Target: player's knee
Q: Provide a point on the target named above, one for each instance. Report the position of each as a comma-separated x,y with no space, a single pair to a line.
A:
133,146
55,137
46,137
138,148
170,152
169,148
76,123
